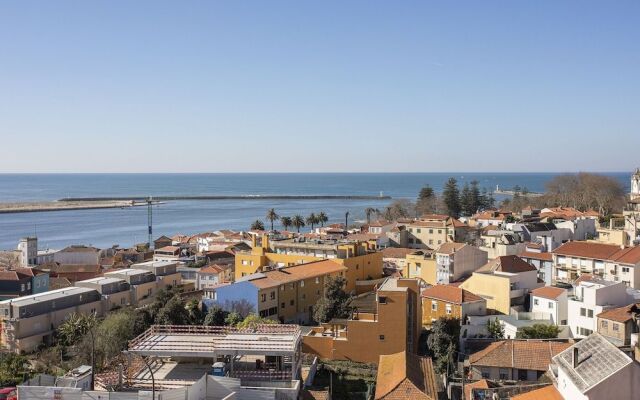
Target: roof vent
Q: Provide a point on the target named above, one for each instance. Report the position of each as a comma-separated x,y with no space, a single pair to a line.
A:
574,358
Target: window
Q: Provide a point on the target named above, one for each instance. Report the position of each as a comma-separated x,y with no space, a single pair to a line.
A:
263,297
281,288
604,324
430,241
22,288
590,313
439,230
434,305
448,307
551,304
504,373
301,283
536,302
245,262
317,280
625,270
382,299
418,230
282,305
583,312
439,241
272,295
485,373
381,337
430,230
304,296
616,327
291,302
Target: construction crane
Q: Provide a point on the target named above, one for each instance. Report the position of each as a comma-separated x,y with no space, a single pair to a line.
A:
150,220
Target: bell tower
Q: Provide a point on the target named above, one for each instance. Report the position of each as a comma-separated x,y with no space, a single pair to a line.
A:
635,184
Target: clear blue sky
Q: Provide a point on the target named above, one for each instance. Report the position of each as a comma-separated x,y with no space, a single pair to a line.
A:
184,86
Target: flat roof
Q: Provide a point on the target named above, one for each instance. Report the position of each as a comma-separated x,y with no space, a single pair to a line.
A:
102,280
153,264
47,296
210,341
127,272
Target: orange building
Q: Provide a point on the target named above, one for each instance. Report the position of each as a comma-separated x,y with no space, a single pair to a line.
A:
386,321
450,301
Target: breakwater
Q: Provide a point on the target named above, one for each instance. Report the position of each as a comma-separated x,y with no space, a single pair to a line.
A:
223,197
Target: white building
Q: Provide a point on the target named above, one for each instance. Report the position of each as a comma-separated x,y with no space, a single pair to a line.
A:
455,261
591,297
551,302
28,247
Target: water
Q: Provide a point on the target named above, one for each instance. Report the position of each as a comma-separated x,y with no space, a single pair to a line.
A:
125,227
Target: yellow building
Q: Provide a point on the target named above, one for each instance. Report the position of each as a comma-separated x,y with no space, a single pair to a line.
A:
420,264
450,301
360,259
387,321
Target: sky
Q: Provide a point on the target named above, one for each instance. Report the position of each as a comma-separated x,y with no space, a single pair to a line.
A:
330,86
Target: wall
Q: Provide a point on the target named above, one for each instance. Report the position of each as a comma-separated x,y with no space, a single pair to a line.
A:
493,288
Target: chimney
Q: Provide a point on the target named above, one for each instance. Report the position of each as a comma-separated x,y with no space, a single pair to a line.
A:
575,357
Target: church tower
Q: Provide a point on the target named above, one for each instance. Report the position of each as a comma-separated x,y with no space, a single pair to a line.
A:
635,184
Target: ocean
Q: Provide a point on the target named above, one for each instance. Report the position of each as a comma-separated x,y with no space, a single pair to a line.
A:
107,227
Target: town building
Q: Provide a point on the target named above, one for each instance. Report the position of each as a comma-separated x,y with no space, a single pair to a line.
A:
395,257
592,296
455,261
432,230
595,369
421,264
499,242
550,302
211,276
287,294
542,260
362,262
142,284
606,261
28,247
450,301
514,360
14,284
504,282
405,375
78,255
165,272
115,292
387,321
618,325
167,253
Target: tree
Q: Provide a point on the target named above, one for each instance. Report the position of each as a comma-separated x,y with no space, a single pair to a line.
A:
75,327
538,331
426,203
369,211
233,319
585,191
335,303
466,200
312,220
112,335
286,222
297,222
443,343
13,369
451,197
253,320
173,313
215,316
272,216
401,208
257,225
495,329
196,316
322,218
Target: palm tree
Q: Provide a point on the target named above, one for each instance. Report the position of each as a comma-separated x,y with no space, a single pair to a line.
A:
297,222
369,211
312,220
322,218
286,222
257,225
272,216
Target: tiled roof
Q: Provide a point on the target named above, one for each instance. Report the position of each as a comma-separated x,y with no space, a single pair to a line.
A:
169,248
436,217
620,314
12,276
598,359
405,376
210,269
510,264
450,247
548,292
599,251
396,252
450,294
536,256
292,274
630,255
521,354
546,393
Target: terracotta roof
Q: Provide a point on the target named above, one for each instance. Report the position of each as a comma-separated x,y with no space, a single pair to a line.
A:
396,252
436,217
457,223
293,274
521,354
380,223
450,294
481,384
59,283
511,264
548,292
29,271
210,269
620,314
629,255
169,248
450,247
73,268
599,251
536,256
428,224
405,376
583,278
12,276
546,393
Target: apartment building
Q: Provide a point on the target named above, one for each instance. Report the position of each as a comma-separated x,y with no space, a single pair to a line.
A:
14,284
499,242
142,284
455,261
504,282
421,264
609,262
361,260
450,301
78,255
618,324
166,272
592,296
432,230
287,294
543,261
31,320
115,292
386,321
550,302
167,253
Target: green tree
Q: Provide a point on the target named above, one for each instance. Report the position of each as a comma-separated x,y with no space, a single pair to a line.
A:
196,316
322,218
113,335
272,216
253,320
215,316
476,197
495,329
426,203
173,313
297,222
539,331
466,200
233,319
257,225
335,303
451,197
75,327
312,219
286,222
443,343
13,369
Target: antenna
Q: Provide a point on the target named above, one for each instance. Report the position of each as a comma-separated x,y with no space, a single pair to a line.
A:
150,219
